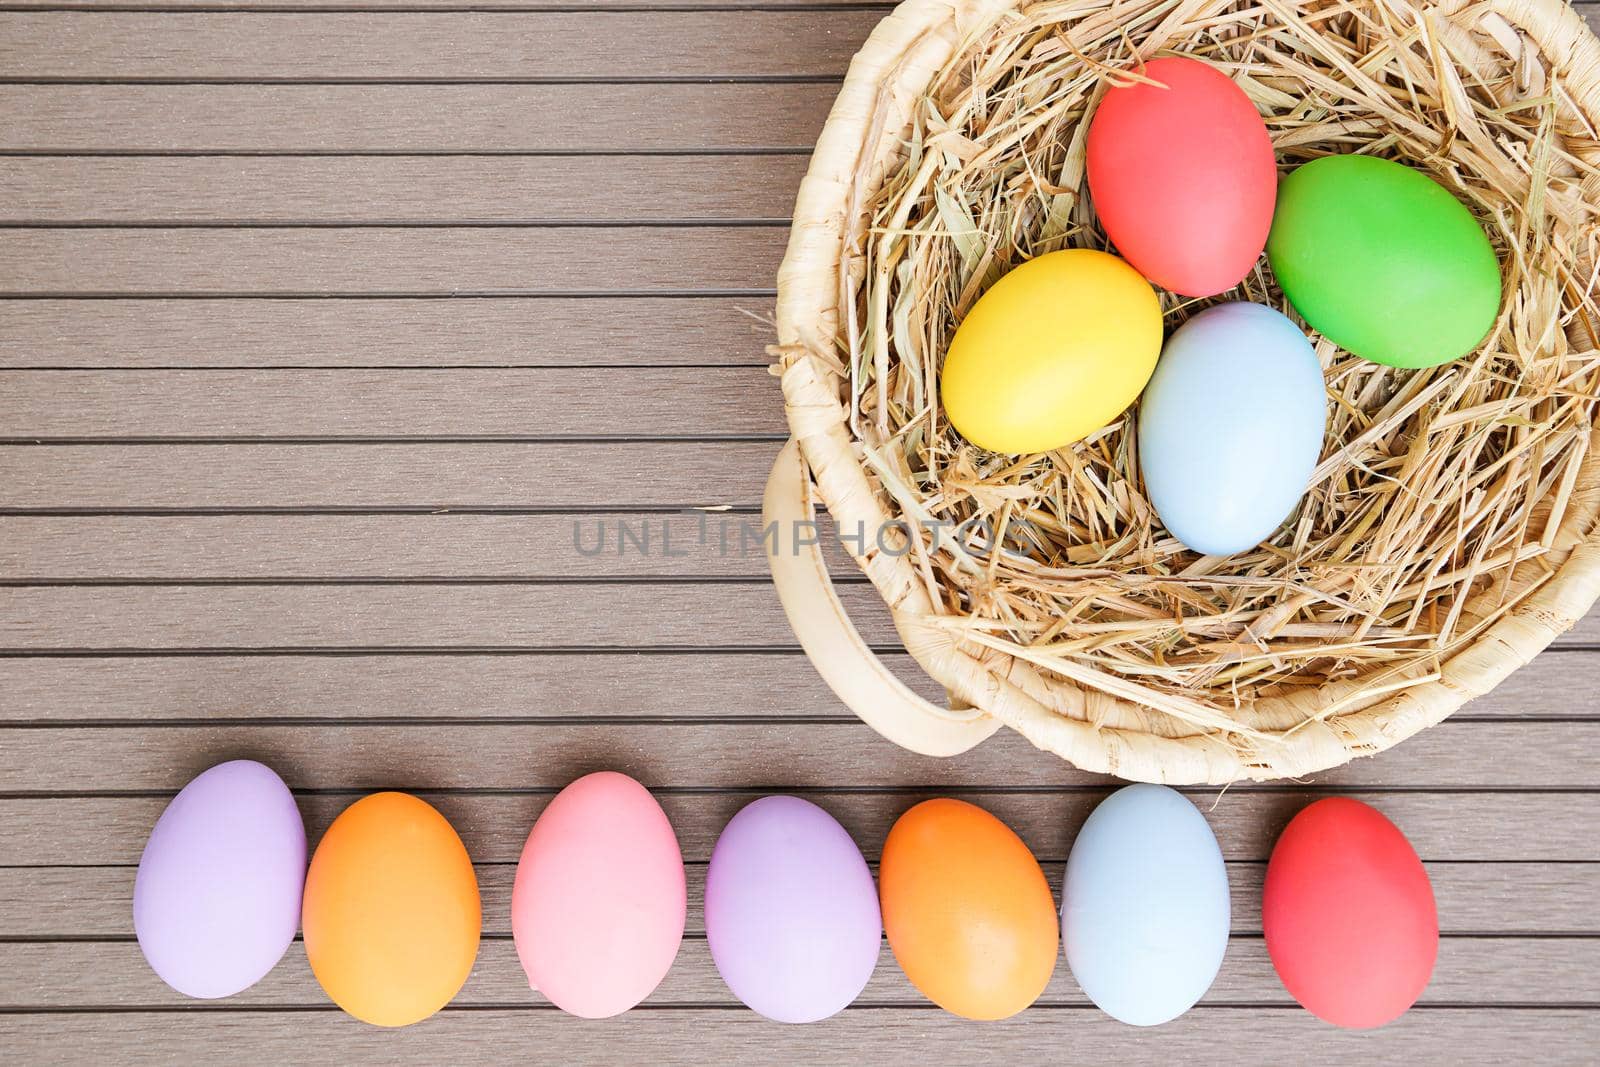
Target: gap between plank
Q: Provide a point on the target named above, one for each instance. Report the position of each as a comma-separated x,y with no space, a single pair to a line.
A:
386,153
422,294
341,722
771,223
434,8
1265,788
668,79
331,1008
392,439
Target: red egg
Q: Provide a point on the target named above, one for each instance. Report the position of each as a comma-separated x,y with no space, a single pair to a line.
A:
1183,176
1348,915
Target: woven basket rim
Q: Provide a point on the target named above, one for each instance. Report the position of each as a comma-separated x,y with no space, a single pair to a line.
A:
872,111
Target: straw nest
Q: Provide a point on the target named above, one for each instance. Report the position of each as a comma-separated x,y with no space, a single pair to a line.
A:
1444,498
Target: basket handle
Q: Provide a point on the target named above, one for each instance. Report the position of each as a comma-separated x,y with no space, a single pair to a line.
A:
836,648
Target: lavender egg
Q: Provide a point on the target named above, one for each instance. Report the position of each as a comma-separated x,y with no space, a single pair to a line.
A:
792,914
217,899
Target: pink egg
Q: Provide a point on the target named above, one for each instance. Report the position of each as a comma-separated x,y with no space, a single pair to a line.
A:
598,907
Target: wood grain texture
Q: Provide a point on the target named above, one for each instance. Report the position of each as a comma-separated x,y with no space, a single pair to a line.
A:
533,616
1469,970
605,118
483,332
588,402
397,261
1458,754
433,5
884,1036
541,685
411,189
544,616
460,46
555,25
418,476
39,548
1479,900
1464,828
1588,8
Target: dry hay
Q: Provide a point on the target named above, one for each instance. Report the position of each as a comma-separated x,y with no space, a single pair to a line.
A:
1439,492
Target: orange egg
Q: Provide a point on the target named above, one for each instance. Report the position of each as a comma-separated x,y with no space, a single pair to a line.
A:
967,910
391,913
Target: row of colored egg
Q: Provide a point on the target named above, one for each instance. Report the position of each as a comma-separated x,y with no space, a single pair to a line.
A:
1377,257
391,914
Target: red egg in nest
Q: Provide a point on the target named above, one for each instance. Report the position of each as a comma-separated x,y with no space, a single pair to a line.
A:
1349,915
1183,176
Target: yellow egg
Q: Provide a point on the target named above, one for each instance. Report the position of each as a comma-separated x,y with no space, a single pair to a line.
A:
1052,352
391,912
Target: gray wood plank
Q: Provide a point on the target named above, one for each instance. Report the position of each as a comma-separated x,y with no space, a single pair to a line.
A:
495,332
431,5
411,189
460,46
879,1035
407,118
1500,900
149,689
425,476
393,260
1587,8
588,402
473,42
1494,831
1455,755
543,685
574,545
1552,972
389,687
544,616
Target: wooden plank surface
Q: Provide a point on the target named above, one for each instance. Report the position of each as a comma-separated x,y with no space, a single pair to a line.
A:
1456,755
587,402
46,548
41,549
429,46
330,326
78,974
887,1036
386,333
771,680
542,616
602,118
532,615
883,6
424,476
411,189
395,261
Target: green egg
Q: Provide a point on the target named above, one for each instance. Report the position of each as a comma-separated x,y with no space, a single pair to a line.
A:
1383,261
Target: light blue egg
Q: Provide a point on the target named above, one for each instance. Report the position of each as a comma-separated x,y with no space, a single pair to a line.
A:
1230,427
1145,912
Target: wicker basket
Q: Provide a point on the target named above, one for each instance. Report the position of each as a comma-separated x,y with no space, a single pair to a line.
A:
1098,719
